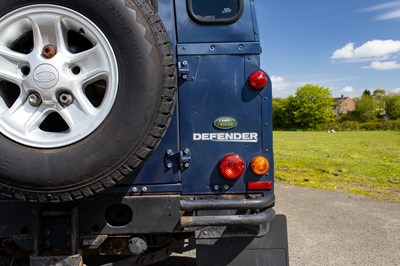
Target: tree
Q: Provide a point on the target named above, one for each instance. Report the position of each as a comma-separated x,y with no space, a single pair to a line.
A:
366,93
311,106
366,108
280,116
379,97
379,93
392,106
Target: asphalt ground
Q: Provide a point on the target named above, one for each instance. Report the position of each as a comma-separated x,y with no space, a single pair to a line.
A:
332,228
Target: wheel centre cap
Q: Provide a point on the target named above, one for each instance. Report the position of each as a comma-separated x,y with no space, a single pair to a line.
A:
45,76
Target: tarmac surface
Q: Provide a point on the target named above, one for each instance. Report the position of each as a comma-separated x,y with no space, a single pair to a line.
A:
332,228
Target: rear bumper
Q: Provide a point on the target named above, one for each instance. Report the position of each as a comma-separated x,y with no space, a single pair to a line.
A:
173,212
257,211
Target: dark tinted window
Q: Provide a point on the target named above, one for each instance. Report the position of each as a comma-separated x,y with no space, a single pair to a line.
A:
215,11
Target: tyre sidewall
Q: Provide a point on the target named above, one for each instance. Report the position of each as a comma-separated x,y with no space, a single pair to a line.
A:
127,124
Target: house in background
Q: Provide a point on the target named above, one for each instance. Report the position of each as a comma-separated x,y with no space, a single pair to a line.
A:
344,105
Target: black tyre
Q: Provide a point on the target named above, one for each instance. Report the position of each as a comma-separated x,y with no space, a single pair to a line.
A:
86,93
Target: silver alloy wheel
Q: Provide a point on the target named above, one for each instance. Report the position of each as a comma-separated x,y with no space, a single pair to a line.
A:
58,76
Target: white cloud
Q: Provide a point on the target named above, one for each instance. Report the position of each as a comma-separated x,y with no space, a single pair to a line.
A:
281,87
374,49
392,10
347,89
279,83
388,65
345,52
390,15
381,6
396,90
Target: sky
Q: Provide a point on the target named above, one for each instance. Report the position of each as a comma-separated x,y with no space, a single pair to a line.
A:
347,46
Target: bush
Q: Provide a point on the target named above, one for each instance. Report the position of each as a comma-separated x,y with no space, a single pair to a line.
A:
372,125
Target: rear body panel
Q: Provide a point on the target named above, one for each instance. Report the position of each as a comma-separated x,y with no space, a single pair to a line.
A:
218,90
218,60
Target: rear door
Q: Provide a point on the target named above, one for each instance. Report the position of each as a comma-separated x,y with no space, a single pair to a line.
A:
218,49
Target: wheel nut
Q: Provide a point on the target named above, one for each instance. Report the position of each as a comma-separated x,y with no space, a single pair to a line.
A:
65,99
35,99
49,51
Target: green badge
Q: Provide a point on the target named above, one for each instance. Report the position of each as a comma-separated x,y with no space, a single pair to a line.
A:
225,122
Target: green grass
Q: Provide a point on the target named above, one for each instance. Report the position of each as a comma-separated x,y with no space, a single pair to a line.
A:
360,162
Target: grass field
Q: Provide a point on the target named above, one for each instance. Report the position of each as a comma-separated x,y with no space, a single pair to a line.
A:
360,162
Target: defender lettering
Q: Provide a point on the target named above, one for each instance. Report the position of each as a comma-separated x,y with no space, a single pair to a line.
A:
251,137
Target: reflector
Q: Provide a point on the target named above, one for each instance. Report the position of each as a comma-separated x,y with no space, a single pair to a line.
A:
267,185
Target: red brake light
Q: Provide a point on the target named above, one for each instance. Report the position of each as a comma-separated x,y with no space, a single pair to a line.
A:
258,80
232,166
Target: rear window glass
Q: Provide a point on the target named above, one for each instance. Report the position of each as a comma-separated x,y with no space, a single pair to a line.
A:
215,11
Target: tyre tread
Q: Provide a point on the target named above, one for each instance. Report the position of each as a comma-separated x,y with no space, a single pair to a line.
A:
155,132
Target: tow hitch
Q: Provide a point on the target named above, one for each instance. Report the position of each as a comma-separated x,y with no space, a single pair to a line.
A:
56,238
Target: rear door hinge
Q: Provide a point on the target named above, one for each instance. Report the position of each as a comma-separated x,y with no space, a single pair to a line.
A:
180,159
183,69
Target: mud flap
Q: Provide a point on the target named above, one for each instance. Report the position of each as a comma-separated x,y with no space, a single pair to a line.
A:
269,249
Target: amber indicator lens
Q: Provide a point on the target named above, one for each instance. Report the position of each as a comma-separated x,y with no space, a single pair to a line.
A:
259,165
231,166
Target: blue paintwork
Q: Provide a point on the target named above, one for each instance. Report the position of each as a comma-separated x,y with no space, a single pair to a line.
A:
243,48
190,32
219,60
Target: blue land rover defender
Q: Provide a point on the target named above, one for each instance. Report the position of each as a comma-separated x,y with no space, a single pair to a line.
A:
131,129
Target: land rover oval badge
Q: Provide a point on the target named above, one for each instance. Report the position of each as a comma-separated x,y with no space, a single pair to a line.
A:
225,122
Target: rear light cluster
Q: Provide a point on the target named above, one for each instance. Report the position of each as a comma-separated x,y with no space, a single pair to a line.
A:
257,80
259,165
232,166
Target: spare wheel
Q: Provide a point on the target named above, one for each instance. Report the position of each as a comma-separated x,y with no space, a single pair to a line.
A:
86,93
